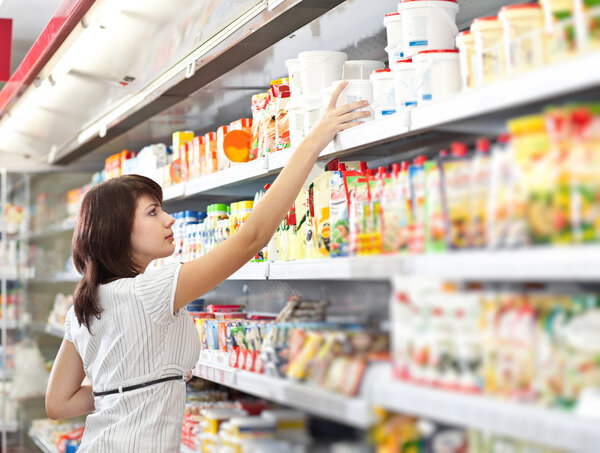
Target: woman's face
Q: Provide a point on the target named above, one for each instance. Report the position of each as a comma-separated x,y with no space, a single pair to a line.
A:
151,236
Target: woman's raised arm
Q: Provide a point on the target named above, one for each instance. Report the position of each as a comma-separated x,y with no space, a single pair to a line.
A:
199,276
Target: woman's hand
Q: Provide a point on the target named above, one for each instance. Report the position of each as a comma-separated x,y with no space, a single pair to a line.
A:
337,119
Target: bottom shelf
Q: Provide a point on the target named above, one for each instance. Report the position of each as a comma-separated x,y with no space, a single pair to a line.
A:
42,442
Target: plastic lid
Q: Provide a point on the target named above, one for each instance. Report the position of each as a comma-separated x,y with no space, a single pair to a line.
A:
381,170
396,168
503,138
405,164
246,204
371,172
438,51
201,215
211,136
380,71
220,207
234,206
459,149
224,129
444,153
190,213
267,186
363,166
419,160
483,145
394,13
404,60
464,32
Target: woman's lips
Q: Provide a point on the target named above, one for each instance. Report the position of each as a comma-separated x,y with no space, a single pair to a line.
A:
170,237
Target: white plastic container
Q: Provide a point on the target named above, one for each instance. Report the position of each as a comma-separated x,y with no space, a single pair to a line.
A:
326,94
319,69
296,121
428,25
384,101
312,113
437,74
356,90
404,84
361,69
295,78
395,45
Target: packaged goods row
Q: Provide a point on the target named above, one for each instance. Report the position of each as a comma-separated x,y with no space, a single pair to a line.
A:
57,436
536,185
298,344
534,345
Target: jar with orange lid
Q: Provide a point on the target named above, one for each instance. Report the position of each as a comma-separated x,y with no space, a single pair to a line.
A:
465,43
559,26
488,63
522,26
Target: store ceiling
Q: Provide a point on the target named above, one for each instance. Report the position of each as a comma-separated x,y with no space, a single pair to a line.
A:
29,19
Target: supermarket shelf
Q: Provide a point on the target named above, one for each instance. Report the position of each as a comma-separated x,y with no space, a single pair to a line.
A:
173,192
185,449
10,324
61,227
42,442
235,175
542,426
6,374
351,411
544,84
55,331
564,78
252,271
17,274
10,427
60,277
575,263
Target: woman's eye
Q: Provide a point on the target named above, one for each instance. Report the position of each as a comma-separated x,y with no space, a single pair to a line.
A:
153,212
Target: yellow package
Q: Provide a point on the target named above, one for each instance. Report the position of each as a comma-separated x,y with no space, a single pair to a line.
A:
300,367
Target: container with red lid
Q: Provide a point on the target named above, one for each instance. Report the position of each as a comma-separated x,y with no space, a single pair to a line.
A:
427,24
224,308
404,84
437,74
384,101
393,26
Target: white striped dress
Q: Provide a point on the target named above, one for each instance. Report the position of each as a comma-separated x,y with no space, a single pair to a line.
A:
136,340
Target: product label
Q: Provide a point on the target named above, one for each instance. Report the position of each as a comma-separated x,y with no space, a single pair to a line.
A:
417,31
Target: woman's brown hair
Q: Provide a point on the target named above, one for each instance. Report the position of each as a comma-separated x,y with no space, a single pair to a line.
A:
102,238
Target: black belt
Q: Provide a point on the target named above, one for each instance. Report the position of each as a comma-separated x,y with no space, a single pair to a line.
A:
138,386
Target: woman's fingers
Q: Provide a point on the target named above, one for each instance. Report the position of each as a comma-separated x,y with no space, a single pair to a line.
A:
351,106
354,116
336,94
345,126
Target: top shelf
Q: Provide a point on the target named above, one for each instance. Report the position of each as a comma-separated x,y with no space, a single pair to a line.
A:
406,130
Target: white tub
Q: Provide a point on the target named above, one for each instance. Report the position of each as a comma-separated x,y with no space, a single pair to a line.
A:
361,69
428,25
395,46
384,101
312,113
296,121
293,67
356,90
319,69
437,74
404,84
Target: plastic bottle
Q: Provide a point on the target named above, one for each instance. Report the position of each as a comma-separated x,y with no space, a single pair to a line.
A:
457,190
480,194
417,186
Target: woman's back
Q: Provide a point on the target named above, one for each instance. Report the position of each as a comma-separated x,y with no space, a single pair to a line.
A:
137,340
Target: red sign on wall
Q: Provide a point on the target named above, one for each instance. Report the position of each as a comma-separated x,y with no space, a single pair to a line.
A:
5,48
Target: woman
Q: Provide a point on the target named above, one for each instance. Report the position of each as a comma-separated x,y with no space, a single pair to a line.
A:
126,331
